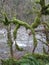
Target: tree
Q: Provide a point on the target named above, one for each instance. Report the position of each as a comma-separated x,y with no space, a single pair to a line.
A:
32,27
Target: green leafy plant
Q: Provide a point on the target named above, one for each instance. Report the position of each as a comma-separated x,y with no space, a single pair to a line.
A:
29,59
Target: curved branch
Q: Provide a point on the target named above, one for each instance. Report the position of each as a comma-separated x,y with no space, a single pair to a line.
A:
34,39
36,22
16,21
15,31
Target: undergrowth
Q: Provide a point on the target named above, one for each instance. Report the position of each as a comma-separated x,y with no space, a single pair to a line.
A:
28,59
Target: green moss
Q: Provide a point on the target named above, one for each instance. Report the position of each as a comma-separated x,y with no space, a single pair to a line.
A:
38,56
21,23
26,25
15,31
33,59
34,39
9,62
36,22
18,48
6,22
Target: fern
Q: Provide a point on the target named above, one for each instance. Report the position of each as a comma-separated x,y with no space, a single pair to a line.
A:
29,59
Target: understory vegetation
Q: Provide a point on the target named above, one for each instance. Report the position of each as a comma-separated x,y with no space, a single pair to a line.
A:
28,59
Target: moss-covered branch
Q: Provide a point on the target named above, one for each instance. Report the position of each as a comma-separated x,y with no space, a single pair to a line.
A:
21,23
34,39
36,22
6,23
15,31
15,36
10,42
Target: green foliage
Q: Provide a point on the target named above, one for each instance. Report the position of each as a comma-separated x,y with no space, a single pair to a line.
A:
21,23
9,62
40,59
29,59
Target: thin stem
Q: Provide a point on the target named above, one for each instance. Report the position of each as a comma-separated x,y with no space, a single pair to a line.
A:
10,40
